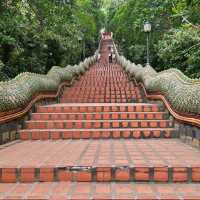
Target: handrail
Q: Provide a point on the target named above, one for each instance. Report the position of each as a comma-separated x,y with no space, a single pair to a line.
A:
187,118
20,112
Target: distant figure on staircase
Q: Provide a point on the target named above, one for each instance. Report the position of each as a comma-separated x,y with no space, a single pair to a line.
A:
98,57
112,51
110,57
113,58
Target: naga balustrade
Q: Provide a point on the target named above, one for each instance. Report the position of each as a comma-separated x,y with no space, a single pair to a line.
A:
179,93
20,96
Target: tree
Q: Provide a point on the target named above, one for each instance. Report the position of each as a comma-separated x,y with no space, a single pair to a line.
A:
36,34
126,21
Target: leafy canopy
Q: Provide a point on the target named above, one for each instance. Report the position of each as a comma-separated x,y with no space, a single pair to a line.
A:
37,34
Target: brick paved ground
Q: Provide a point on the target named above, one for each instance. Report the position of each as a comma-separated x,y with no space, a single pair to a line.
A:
160,160
67,190
111,152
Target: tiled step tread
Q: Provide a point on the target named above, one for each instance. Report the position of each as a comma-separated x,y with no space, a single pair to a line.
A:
101,113
98,104
106,191
102,129
101,160
101,120
122,87
102,95
115,85
93,108
99,116
56,134
99,100
94,100
87,90
79,124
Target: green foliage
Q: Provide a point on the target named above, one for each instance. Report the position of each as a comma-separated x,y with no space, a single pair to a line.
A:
192,2
180,49
37,34
175,29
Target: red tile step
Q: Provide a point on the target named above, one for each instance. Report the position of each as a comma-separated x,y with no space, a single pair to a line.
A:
92,124
103,83
99,107
100,160
102,100
106,191
56,134
100,116
84,95
100,89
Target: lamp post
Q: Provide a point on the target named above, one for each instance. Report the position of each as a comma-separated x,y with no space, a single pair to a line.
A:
80,42
147,29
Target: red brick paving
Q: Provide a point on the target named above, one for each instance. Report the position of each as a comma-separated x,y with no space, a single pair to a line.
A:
167,152
165,160
68,190
103,83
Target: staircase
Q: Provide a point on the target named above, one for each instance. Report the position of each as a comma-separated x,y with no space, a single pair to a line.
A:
102,141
